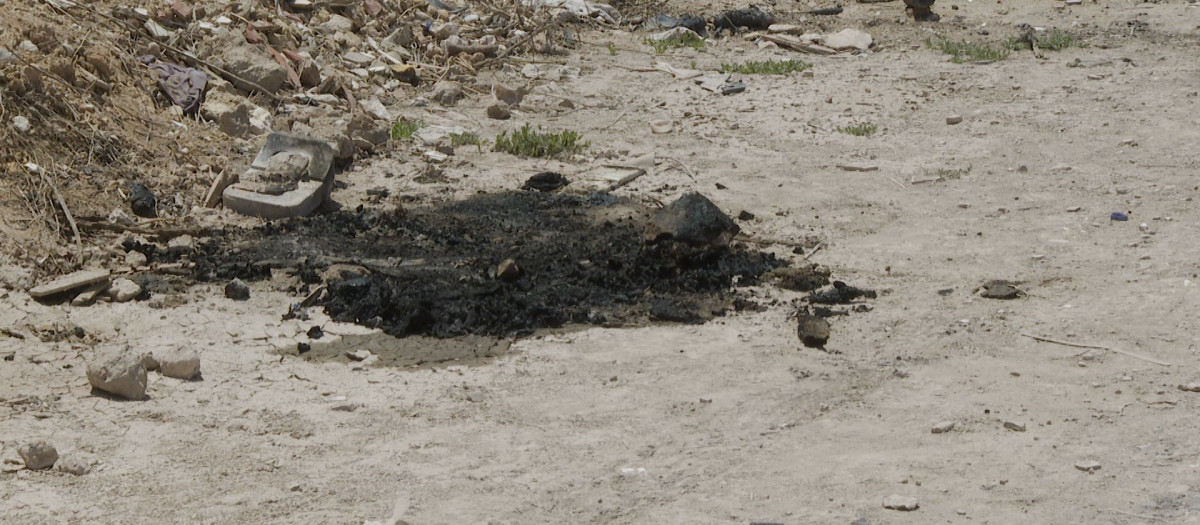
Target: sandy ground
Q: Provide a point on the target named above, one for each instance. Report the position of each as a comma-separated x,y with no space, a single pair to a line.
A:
733,421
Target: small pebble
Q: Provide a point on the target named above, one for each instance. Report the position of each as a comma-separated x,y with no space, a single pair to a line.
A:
942,428
21,124
1088,466
1017,426
954,119
1190,387
898,502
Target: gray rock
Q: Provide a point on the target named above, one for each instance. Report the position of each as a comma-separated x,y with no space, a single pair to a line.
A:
179,363
498,112
181,245
898,502
310,73
73,465
124,290
1190,387
1015,426
38,455
374,132
942,428
6,57
336,24
694,220
446,92
251,64
28,47
149,362
118,371
954,119
136,259
1088,466
356,59
235,122
237,290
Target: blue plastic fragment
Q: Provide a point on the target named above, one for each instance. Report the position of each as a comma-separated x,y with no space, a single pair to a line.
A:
1118,216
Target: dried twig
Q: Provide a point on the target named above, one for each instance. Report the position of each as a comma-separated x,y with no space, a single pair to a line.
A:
683,167
1097,347
814,251
62,203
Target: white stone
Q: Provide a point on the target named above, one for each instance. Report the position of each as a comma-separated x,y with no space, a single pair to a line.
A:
375,108
847,39
124,290
942,428
135,258
21,124
179,363
73,465
118,371
898,502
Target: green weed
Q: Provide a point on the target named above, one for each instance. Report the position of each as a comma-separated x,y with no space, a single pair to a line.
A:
865,129
1057,40
691,40
769,67
527,142
404,129
969,51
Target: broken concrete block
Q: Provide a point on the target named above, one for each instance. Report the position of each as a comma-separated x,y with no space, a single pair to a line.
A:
69,282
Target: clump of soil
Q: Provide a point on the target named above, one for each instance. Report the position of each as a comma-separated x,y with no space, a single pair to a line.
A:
433,271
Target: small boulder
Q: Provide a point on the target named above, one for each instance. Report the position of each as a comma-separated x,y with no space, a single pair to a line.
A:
179,363
38,455
237,290
73,465
124,290
254,68
446,92
693,220
118,371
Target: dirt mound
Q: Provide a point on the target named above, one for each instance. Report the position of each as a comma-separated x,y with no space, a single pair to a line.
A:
499,264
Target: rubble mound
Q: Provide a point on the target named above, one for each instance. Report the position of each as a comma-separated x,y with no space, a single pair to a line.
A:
444,271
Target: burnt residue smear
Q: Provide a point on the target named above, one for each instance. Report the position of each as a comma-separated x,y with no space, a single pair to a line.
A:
431,271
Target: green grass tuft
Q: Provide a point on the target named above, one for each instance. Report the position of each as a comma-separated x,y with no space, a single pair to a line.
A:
404,129
526,142
465,139
769,67
691,40
865,129
612,49
969,51
1057,40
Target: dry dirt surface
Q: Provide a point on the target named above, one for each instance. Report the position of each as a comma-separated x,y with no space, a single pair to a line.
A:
1069,403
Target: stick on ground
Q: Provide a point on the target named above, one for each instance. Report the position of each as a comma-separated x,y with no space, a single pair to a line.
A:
1098,347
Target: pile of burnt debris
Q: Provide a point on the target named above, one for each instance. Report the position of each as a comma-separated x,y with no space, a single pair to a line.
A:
505,264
